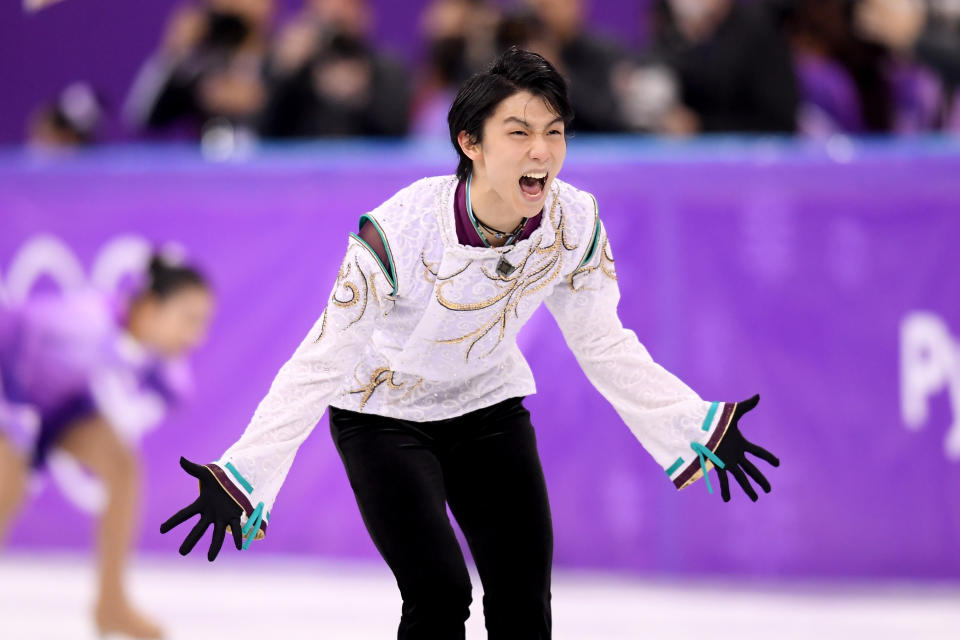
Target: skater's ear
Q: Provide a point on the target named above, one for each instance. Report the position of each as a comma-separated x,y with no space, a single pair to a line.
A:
470,145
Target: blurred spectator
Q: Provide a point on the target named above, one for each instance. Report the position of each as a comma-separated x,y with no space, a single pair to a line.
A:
733,67
460,40
843,84
327,80
209,67
71,121
906,26
929,35
460,37
852,85
557,32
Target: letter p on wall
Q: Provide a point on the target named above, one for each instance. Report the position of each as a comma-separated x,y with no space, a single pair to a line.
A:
929,362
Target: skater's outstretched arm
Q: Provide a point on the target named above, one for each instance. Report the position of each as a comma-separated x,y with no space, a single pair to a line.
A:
252,470
686,435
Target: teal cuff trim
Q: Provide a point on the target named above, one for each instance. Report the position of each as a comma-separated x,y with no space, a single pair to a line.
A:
676,465
701,452
252,526
709,419
391,273
593,241
236,474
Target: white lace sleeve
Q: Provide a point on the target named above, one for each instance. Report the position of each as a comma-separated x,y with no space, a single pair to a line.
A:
667,417
254,468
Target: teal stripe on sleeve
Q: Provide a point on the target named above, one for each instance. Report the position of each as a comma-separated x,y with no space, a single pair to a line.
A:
236,474
676,465
709,419
252,526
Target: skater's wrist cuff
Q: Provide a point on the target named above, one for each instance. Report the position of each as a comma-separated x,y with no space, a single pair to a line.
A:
241,491
688,468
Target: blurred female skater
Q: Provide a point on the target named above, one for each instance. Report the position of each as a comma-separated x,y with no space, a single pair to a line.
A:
80,375
416,356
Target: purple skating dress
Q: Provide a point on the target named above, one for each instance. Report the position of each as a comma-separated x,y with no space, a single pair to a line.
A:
66,356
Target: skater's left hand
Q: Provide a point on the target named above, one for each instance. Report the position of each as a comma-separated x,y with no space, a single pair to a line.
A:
732,451
214,506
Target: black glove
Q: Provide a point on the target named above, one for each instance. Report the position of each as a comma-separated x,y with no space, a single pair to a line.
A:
215,507
732,452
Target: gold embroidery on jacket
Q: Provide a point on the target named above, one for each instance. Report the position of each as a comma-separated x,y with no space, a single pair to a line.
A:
369,285
366,293
428,269
519,285
352,288
410,390
605,266
323,326
381,376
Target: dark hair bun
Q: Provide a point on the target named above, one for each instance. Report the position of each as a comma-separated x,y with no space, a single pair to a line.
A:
168,277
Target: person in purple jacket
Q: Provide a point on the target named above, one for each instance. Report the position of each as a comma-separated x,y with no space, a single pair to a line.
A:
81,374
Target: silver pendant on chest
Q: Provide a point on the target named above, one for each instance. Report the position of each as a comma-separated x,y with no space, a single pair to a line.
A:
504,268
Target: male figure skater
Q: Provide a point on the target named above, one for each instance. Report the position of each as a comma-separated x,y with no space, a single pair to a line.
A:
416,356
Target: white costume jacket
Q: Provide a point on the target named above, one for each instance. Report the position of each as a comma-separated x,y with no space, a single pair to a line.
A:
432,335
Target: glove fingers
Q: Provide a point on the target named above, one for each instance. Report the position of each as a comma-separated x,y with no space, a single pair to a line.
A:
180,516
235,528
755,475
724,484
219,531
761,453
192,468
198,530
746,405
743,482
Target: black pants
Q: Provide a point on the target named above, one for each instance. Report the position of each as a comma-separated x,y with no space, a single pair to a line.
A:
485,465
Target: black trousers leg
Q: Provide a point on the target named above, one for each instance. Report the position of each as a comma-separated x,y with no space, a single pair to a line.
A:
398,483
496,490
485,464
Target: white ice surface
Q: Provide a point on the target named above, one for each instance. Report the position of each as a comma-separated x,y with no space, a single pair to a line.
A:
48,598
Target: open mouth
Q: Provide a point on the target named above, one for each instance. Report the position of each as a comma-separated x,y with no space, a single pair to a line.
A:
532,183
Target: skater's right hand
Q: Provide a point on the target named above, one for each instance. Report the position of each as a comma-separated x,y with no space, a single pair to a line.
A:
732,450
215,506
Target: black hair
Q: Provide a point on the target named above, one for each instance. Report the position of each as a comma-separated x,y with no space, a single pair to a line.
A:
513,71
166,278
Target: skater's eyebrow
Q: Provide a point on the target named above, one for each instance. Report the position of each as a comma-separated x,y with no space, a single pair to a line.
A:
526,124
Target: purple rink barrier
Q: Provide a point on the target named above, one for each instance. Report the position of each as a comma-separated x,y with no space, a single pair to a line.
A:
824,278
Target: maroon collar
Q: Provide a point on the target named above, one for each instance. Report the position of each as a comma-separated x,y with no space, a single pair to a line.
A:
467,234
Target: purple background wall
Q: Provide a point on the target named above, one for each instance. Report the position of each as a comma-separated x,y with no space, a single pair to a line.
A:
104,42
745,267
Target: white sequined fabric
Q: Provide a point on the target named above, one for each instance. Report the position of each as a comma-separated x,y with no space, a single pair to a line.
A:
440,340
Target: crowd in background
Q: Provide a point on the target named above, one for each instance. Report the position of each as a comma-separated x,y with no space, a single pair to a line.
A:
810,67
